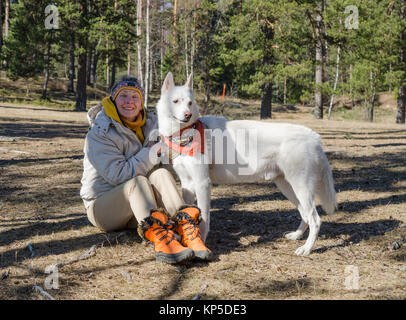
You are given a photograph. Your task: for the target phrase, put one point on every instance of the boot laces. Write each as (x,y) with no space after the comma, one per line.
(191,225)
(167,233)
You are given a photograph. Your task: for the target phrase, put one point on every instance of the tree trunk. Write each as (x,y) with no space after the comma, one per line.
(6,18)
(325,59)
(89,48)
(285,82)
(161,52)
(335,81)
(107,64)
(371,109)
(71,63)
(89,64)
(401,102)
(94,68)
(186,55)
(147,55)
(161,64)
(284,89)
(129,59)
(139,32)
(113,74)
(325,51)
(266,103)
(92,65)
(318,96)
(175,9)
(44,89)
(81,94)
(107,72)
(151,73)
(206,95)
(192,53)
(1,24)
(371,98)
(351,91)
(45,86)
(390,80)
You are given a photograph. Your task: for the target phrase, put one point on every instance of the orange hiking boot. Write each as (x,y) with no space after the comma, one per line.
(157,229)
(188,219)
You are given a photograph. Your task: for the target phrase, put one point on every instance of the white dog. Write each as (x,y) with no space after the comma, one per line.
(289,155)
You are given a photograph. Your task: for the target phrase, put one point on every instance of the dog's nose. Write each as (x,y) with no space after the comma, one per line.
(187,115)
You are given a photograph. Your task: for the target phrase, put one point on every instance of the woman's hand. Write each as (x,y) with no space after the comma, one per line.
(157,151)
(160,147)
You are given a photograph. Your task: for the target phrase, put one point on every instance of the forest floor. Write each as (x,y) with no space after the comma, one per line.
(41,154)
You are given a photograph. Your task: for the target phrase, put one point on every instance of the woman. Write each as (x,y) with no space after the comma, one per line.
(122,187)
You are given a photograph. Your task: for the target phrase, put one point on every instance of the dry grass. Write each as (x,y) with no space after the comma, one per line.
(40,204)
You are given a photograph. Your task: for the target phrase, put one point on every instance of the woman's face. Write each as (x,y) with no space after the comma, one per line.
(128,104)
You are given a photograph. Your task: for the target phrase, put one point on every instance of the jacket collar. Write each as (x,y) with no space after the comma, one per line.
(104,122)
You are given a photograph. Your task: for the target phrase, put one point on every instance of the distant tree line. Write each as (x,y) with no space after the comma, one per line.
(287,51)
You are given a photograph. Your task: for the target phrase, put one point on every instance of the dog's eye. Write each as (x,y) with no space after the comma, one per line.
(176,101)
(190,103)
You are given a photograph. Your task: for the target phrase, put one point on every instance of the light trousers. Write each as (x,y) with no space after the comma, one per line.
(131,202)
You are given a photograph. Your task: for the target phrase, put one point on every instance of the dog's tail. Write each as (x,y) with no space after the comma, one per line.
(326,191)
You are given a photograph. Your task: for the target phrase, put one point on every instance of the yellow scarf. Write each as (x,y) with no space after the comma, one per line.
(136,126)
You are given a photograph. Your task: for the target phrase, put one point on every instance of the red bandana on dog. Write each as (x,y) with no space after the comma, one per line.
(187,141)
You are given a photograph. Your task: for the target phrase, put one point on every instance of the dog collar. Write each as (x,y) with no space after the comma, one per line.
(188,141)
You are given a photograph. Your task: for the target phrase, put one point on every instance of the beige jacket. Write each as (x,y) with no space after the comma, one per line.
(114,154)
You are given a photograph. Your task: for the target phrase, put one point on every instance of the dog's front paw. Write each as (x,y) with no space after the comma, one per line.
(303,251)
(295,235)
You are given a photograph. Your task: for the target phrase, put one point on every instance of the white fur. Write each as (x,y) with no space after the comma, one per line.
(289,155)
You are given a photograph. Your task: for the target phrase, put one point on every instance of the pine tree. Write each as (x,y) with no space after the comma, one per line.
(251,47)
(113,28)
(368,52)
(83,41)
(294,48)
(29,48)
(208,26)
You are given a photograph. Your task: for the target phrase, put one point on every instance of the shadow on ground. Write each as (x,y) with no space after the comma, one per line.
(47,129)
(229,226)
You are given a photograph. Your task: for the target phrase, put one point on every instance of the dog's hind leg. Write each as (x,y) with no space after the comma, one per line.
(310,216)
(314,226)
(288,192)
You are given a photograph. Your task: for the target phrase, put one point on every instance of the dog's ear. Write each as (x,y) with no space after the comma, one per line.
(168,83)
(189,82)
